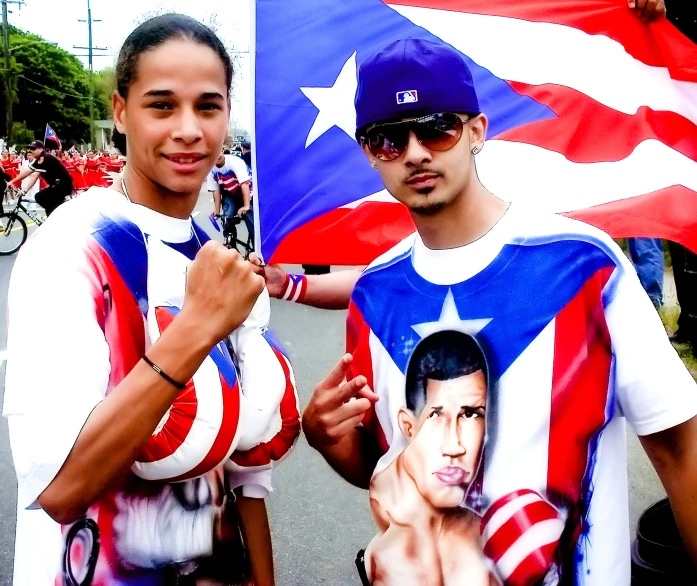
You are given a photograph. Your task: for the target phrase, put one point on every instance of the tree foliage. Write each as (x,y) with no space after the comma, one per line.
(104,85)
(21,135)
(50,86)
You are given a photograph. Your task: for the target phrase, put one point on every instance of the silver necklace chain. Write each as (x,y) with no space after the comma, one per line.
(193,229)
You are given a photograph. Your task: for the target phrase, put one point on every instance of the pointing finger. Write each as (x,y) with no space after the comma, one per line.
(337,374)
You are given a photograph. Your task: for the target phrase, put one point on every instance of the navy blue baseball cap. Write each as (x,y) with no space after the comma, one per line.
(413,77)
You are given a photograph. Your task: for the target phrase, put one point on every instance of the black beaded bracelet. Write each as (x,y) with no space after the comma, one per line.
(165,376)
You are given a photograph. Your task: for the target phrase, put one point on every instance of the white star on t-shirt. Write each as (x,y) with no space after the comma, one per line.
(335,104)
(450,320)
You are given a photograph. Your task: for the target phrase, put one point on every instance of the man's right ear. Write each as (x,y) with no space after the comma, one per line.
(407,423)
(371,159)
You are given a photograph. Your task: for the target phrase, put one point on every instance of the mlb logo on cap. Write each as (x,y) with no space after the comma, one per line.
(408,97)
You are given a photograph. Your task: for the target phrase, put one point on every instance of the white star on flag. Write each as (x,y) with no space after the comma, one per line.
(450,320)
(335,104)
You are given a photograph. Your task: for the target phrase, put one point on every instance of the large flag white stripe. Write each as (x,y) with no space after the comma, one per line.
(551,53)
(560,185)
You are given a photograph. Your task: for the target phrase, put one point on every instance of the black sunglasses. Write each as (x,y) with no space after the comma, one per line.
(436,132)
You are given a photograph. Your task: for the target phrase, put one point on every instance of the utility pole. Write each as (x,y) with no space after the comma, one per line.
(90,49)
(6,76)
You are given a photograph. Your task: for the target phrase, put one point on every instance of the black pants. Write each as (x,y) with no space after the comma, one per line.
(685,274)
(51,197)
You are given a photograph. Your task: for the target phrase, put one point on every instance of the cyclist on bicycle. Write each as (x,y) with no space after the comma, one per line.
(60,184)
(229,181)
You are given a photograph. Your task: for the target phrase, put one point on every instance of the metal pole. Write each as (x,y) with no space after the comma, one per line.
(6,77)
(89,29)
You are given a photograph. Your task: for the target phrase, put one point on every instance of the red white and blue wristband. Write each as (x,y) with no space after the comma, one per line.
(294,288)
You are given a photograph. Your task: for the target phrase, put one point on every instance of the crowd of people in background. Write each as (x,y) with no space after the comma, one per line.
(87,168)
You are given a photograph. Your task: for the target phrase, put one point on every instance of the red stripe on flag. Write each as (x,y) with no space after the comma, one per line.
(669,213)
(181,416)
(581,119)
(658,43)
(346,236)
(580,381)
(357,344)
(277,447)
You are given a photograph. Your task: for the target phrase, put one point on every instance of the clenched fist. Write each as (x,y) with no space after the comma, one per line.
(221,289)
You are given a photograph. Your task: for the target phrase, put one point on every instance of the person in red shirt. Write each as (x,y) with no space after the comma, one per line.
(113,164)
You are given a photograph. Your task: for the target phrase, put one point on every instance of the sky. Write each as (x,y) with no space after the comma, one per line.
(57,22)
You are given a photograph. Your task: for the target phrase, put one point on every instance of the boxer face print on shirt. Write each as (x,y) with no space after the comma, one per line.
(427,502)
(443,424)
(419,500)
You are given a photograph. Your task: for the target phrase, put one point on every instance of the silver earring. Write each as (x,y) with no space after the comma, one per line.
(476,150)
(375,166)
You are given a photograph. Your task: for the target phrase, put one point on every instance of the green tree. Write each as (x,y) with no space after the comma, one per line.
(21,135)
(104,86)
(50,86)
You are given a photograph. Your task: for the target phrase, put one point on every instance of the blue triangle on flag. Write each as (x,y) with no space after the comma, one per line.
(306,44)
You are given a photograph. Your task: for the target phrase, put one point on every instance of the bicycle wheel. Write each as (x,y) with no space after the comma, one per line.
(13,233)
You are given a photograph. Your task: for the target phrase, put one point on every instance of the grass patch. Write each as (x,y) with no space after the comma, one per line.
(669,316)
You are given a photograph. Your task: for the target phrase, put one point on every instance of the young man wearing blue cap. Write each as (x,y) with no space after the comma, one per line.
(572,344)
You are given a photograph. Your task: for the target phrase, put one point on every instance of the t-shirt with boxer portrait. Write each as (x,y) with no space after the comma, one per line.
(506,371)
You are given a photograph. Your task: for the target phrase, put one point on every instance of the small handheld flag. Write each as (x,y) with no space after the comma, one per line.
(50,134)
(214,222)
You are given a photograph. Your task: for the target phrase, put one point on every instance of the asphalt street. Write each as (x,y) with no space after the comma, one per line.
(318,521)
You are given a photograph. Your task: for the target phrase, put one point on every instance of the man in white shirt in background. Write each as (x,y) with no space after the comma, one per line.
(229,181)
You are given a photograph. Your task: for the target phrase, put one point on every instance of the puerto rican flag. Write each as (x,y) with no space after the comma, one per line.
(50,134)
(593,113)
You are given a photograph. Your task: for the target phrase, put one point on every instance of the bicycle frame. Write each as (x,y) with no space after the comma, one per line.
(32,215)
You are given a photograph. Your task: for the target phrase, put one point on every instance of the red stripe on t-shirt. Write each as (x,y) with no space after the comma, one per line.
(226,435)
(534,567)
(515,527)
(580,383)
(358,344)
(181,415)
(123,323)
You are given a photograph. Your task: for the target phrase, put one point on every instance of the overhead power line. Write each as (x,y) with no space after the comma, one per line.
(55,91)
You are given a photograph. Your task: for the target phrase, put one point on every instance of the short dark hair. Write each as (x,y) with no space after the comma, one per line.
(441,356)
(158,30)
